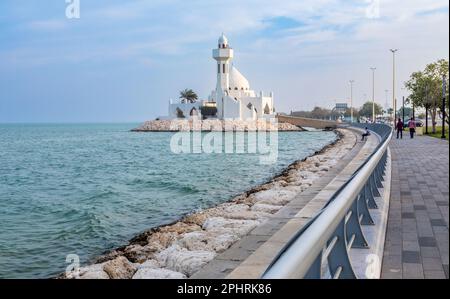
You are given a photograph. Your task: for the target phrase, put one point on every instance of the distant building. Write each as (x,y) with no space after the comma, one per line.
(340,108)
(233,98)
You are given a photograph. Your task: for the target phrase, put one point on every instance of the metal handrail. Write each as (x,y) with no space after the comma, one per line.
(337,227)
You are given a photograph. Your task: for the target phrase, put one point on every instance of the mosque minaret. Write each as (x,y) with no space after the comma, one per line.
(232,96)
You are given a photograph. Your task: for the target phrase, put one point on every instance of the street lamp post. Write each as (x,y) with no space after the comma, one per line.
(386,103)
(444,89)
(393,83)
(351,100)
(403,110)
(426,110)
(373,93)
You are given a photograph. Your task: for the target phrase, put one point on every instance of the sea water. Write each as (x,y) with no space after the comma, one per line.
(86,188)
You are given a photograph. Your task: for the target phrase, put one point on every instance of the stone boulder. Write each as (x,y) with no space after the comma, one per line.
(120,268)
(138,254)
(94,271)
(158,273)
(275,197)
(271,209)
(234,226)
(205,241)
(180,259)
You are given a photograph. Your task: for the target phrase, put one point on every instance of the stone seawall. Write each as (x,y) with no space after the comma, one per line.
(308,122)
(213,125)
(181,249)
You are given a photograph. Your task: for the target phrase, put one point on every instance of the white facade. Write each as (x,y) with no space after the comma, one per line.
(233,97)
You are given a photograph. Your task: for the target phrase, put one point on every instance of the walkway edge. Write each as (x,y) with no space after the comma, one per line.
(367,263)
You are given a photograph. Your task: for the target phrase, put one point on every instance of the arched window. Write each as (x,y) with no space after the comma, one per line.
(267,109)
(224,68)
(180,113)
(193,112)
(218,68)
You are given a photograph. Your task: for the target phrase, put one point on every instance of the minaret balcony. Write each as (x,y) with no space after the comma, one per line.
(223,54)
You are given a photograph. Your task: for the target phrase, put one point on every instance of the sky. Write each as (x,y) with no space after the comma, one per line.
(121,61)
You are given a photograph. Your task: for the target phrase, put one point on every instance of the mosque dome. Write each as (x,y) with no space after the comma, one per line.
(237,80)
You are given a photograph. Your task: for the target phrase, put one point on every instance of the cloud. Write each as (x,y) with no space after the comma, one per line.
(287,46)
(47,25)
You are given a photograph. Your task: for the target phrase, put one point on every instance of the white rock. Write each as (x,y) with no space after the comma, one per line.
(158,273)
(150,264)
(235,226)
(275,197)
(272,209)
(92,272)
(182,260)
(248,215)
(207,241)
(235,208)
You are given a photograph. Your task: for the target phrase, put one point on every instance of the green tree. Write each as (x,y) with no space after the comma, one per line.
(367,110)
(188,96)
(426,88)
(348,113)
(408,113)
(320,113)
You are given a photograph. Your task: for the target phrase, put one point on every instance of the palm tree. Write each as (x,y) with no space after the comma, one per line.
(188,96)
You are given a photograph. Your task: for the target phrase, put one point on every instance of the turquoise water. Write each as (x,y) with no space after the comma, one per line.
(84,189)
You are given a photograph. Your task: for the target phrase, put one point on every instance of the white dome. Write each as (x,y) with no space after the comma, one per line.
(237,80)
(223,40)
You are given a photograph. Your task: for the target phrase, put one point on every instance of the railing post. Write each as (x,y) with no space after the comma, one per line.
(354,233)
(368,194)
(377,176)
(363,208)
(315,272)
(338,259)
(373,185)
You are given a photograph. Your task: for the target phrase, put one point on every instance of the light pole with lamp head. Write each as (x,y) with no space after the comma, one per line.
(444,94)
(394,106)
(426,109)
(373,93)
(386,104)
(351,100)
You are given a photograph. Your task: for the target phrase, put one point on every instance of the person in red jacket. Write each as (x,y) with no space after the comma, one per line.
(412,127)
(399,127)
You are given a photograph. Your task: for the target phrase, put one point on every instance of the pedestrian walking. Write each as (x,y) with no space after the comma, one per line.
(399,127)
(412,127)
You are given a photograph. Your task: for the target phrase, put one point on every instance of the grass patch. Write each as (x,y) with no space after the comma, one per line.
(438,133)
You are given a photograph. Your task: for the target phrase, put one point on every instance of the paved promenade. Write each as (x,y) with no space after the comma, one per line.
(417,240)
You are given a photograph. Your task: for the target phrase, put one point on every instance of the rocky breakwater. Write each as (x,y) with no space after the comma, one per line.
(181,249)
(213,125)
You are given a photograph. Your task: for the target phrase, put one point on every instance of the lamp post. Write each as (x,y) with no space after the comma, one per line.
(393,83)
(444,91)
(386,104)
(403,110)
(373,93)
(426,110)
(351,100)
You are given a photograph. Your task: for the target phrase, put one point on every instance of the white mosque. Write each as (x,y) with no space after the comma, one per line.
(232,97)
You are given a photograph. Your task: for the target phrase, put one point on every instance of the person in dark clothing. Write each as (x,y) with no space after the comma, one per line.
(399,127)
(367,133)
